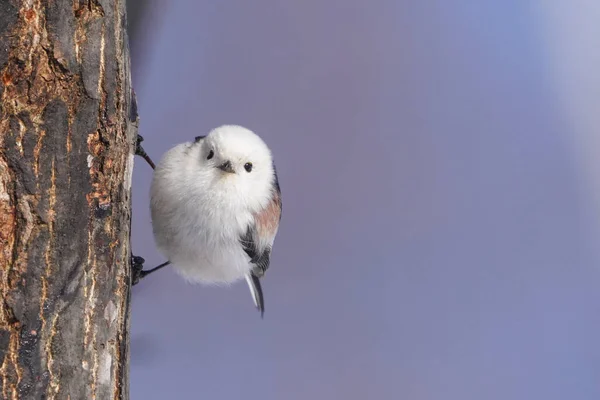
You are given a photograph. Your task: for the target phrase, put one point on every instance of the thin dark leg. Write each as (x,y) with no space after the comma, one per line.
(149,271)
(138,272)
(139,151)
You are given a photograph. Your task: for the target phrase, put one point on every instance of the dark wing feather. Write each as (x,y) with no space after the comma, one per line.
(261,258)
(277,189)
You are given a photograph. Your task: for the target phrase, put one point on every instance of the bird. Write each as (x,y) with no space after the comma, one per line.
(215,205)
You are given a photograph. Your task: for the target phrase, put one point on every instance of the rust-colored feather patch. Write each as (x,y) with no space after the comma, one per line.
(267,220)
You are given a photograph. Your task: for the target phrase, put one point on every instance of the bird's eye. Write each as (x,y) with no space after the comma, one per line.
(248,166)
(210,155)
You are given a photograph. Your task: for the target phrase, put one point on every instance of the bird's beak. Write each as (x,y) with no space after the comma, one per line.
(226,167)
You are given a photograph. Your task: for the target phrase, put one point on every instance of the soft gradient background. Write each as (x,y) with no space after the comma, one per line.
(441,181)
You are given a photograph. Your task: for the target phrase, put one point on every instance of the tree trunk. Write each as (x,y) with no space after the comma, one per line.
(67,128)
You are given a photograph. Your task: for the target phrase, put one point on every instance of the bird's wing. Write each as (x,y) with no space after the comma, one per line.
(258,238)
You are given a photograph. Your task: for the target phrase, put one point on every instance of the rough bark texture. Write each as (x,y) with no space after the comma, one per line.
(67,127)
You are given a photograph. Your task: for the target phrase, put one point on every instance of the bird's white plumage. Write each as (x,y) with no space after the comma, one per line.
(199,212)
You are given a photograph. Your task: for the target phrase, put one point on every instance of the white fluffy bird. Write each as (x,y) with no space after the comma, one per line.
(216,206)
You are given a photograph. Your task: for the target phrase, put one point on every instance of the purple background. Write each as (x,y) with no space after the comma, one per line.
(441,189)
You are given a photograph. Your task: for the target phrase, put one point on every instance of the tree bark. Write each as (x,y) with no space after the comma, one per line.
(67,127)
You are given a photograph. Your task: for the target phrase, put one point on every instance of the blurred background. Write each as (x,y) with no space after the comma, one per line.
(441,184)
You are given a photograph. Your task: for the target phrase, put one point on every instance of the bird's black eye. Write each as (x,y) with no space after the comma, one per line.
(248,166)
(210,155)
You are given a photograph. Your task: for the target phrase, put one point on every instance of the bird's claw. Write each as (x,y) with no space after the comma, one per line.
(137,265)
(139,150)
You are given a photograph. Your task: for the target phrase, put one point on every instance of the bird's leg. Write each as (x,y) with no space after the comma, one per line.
(137,269)
(139,151)
(137,263)
(149,271)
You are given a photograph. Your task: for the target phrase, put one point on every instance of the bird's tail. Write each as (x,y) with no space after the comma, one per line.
(256,292)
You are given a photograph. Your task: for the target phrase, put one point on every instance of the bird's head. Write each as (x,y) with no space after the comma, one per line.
(238,163)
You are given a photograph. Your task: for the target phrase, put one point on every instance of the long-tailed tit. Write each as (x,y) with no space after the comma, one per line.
(216,206)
